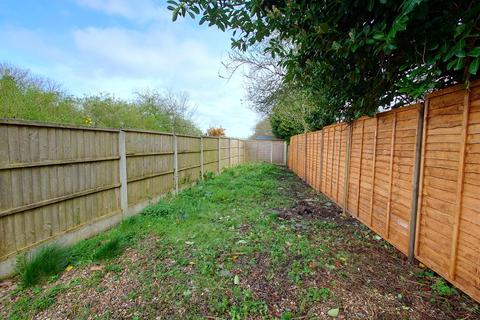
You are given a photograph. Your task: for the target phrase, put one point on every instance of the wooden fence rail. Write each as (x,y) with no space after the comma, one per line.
(66,183)
(412,175)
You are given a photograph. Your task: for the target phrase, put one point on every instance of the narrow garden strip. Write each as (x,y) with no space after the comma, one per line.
(252,243)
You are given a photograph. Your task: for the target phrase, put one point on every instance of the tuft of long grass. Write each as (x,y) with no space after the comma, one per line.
(109,249)
(48,261)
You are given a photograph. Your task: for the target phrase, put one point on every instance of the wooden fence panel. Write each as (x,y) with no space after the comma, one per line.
(210,154)
(278,150)
(149,165)
(317,166)
(224,153)
(241,151)
(448,225)
(54,179)
(189,164)
(301,155)
(309,172)
(271,151)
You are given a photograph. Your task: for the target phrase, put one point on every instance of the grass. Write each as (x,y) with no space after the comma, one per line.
(219,249)
(48,261)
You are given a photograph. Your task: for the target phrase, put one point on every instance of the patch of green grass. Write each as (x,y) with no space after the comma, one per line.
(48,261)
(110,249)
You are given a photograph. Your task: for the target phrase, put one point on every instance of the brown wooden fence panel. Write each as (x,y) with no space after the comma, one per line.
(53,180)
(271,151)
(189,162)
(448,227)
(318,160)
(149,165)
(310,171)
(67,183)
(224,153)
(377,157)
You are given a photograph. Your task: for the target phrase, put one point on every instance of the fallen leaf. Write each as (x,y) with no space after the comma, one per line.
(96,268)
(333,312)
(68,268)
(236,280)
(189,242)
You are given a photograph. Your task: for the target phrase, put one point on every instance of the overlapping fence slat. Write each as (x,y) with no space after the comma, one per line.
(369,168)
(448,227)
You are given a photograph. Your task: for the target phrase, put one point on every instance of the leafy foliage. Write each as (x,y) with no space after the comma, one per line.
(23,96)
(362,54)
(216,132)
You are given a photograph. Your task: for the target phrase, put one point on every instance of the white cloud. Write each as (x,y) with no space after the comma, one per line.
(120,60)
(148,52)
(138,10)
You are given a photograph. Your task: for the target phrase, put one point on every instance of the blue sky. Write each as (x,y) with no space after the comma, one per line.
(119,46)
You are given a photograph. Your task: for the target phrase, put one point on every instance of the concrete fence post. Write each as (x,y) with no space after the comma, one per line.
(175,163)
(218,156)
(271,151)
(202,169)
(285,153)
(122,152)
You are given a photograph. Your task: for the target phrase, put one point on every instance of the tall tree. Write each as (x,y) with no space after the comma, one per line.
(361,54)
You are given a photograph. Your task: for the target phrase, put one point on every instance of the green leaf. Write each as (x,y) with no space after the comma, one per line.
(451,64)
(473,68)
(460,53)
(459,64)
(236,280)
(378,36)
(475,52)
(175,14)
(459,29)
(333,312)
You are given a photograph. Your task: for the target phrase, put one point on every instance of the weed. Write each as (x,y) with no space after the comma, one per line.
(48,261)
(162,208)
(441,288)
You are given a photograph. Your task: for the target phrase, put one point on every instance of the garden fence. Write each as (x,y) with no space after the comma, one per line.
(412,175)
(60,182)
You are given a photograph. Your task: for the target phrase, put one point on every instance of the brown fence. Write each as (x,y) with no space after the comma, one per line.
(67,183)
(410,175)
